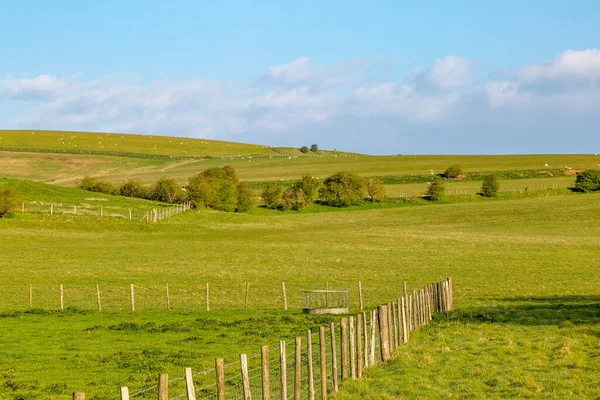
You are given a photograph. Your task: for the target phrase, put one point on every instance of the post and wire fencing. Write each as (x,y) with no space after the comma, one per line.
(102,211)
(311,366)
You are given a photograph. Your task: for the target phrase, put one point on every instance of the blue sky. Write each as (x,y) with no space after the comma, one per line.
(377,77)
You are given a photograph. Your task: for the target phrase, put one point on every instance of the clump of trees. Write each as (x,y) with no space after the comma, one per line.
(453,171)
(436,189)
(9,201)
(375,190)
(94,185)
(271,195)
(343,189)
(219,189)
(314,148)
(587,181)
(490,185)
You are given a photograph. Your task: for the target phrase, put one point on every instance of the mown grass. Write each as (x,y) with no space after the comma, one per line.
(501,254)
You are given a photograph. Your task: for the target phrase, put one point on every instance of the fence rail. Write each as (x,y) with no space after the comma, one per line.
(153,215)
(312,366)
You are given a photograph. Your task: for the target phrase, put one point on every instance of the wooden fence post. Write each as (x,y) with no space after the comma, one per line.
(390,322)
(334,368)
(245,378)
(132,297)
(101,211)
(373,338)
(298,369)
(284,295)
(323,362)
(62,297)
(168,298)
(360,296)
(23,207)
(51,208)
(352,334)
(311,375)
(163,387)
(30,296)
(450,294)
(207,298)
(190,390)
(404,322)
(220,375)
(247,294)
(359,346)
(78,396)
(366,340)
(395,324)
(344,347)
(130,216)
(124,393)
(98,298)
(283,371)
(264,364)
(384,334)
(406,308)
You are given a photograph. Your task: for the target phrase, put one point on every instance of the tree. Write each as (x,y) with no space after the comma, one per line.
(314,148)
(94,185)
(294,198)
(343,189)
(134,188)
(490,185)
(271,195)
(375,190)
(310,186)
(214,188)
(453,171)
(167,190)
(9,201)
(436,190)
(304,149)
(245,197)
(587,181)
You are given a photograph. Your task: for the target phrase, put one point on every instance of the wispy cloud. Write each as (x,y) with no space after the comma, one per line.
(318,101)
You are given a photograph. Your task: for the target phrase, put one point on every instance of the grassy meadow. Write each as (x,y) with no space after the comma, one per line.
(524,266)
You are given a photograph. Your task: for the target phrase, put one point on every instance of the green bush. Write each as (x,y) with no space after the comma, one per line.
(453,171)
(343,189)
(134,188)
(310,186)
(375,190)
(93,185)
(294,198)
(271,195)
(490,185)
(168,191)
(436,189)
(214,188)
(304,149)
(314,148)
(9,201)
(245,197)
(587,181)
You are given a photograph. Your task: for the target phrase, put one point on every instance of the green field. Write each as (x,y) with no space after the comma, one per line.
(524,267)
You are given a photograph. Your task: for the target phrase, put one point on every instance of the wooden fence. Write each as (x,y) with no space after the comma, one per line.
(153,215)
(312,366)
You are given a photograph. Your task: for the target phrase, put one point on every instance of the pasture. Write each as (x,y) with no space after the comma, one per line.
(524,267)
(513,263)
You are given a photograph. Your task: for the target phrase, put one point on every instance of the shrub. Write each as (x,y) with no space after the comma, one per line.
(9,201)
(271,195)
(134,188)
(294,198)
(310,186)
(93,185)
(314,148)
(375,190)
(343,189)
(490,185)
(167,190)
(587,181)
(453,171)
(304,149)
(88,183)
(214,188)
(436,190)
(245,197)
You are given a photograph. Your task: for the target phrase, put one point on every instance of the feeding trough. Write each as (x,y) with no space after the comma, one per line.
(325,301)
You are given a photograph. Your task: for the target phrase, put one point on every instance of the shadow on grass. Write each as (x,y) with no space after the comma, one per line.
(558,311)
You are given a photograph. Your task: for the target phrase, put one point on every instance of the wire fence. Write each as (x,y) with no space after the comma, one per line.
(312,366)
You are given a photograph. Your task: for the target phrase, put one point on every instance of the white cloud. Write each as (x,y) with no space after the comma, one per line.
(571,64)
(296,72)
(450,72)
(39,88)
